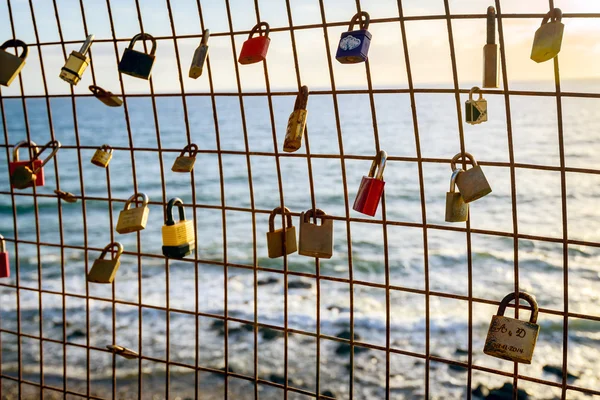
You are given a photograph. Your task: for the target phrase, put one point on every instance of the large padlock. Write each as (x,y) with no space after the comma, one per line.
(315,240)
(512,339)
(456,208)
(548,37)
(490,52)
(133,219)
(104,271)
(255,48)
(106,97)
(476,110)
(24,174)
(200,56)
(77,63)
(136,63)
(277,238)
(471,183)
(4,263)
(185,163)
(179,238)
(371,187)
(11,65)
(102,156)
(296,122)
(354,45)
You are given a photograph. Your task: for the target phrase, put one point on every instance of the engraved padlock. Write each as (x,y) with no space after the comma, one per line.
(11,65)
(371,187)
(185,163)
(24,174)
(354,45)
(296,122)
(276,238)
(104,270)
(512,339)
(255,49)
(123,351)
(490,52)
(200,56)
(77,62)
(315,240)
(133,219)
(106,97)
(548,37)
(179,238)
(137,63)
(476,110)
(456,208)
(102,156)
(4,263)
(471,183)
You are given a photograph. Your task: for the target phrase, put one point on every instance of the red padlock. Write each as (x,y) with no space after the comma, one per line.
(371,187)
(255,48)
(35,164)
(4,265)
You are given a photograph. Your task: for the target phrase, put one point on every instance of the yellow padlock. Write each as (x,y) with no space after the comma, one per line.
(104,271)
(548,37)
(102,156)
(133,219)
(276,238)
(186,163)
(296,122)
(179,238)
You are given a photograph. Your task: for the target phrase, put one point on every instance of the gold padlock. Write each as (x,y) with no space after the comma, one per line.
(490,52)
(133,219)
(475,110)
(66,196)
(296,122)
(104,271)
(471,183)
(315,240)
(102,156)
(200,56)
(23,177)
(179,238)
(548,37)
(276,238)
(123,351)
(11,65)
(26,175)
(456,208)
(512,339)
(106,97)
(186,163)
(77,62)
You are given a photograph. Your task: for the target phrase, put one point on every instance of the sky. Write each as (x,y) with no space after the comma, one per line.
(427,41)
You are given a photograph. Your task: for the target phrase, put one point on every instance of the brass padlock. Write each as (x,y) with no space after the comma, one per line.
(276,238)
(133,219)
(512,339)
(77,62)
(186,163)
(490,52)
(476,110)
(471,183)
(315,240)
(66,196)
(456,208)
(200,56)
(548,37)
(11,65)
(102,156)
(123,351)
(104,271)
(107,98)
(28,174)
(179,239)
(296,122)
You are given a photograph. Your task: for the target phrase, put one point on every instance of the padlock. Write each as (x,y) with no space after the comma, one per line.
(107,98)
(123,351)
(315,240)
(179,238)
(354,45)
(276,238)
(77,62)
(66,196)
(136,63)
(255,48)
(471,183)
(104,271)
(102,156)
(11,65)
(296,122)
(548,37)
(475,110)
(371,187)
(456,208)
(24,174)
(512,339)
(200,56)
(4,263)
(490,52)
(186,163)
(133,219)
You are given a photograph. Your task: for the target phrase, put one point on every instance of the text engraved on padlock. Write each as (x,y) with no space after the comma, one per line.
(511,339)
(133,220)
(101,158)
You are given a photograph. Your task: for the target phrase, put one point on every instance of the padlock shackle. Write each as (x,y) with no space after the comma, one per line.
(110,247)
(475,89)
(191,148)
(143,196)
(378,165)
(301,99)
(16,43)
(85,47)
(176,201)
(554,15)
(318,213)
(491,25)
(2,245)
(458,157)
(363,24)
(143,36)
(455,174)
(205,36)
(286,212)
(107,148)
(257,29)
(55,144)
(522,295)
(30,144)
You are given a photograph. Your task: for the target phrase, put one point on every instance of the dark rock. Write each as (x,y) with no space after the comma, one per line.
(556,370)
(299,285)
(218,324)
(345,334)
(458,368)
(271,334)
(241,328)
(461,352)
(77,333)
(344,348)
(506,393)
(270,280)
(328,393)
(277,379)
(481,391)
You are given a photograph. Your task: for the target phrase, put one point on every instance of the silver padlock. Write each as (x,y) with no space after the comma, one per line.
(456,208)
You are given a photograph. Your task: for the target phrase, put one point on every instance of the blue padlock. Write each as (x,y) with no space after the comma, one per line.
(354,45)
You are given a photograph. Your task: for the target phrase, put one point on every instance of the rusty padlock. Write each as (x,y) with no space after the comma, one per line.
(102,156)
(4,262)
(106,97)
(548,37)
(475,110)
(315,240)
(186,163)
(296,122)
(104,271)
(512,339)
(471,183)
(24,174)
(276,238)
(133,219)
(456,208)
(371,187)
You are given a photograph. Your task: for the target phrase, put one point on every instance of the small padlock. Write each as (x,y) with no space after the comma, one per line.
(456,208)
(315,240)
(354,45)
(276,238)
(104,271)
(123,351)
(77,62)
(136,63)
(179,238)
(66,196)
(133,219)
(186,163)
(255,48)
(296,122)
(24,174)
(102,156)
(107,98)
(512,339)
(11,65)
(548,37)
(371,187)
(471,183)
(476,110)
(4,263)
(200,56)
(490,52)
